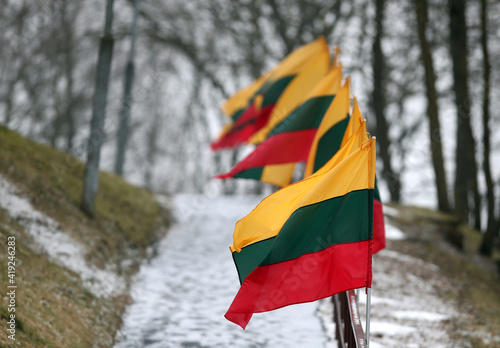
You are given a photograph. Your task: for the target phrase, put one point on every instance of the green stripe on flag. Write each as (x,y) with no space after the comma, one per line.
(237,114)
(252,173)
(273,91)
(329,144)
(251,256)
(376,191)
(306,116)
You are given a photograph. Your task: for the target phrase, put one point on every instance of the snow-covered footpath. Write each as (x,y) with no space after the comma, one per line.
(179,299)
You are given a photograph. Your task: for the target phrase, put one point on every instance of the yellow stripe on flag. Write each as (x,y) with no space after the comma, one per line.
(329,85)
(342,177)
(278,174)
(354,122)
(293,63)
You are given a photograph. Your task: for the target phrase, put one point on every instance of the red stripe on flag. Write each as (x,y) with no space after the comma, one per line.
(247,125)
(378,227)
(249,115)
(307,278)
(281,148)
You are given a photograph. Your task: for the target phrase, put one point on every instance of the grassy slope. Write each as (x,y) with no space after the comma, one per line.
(53,309)
(475,280)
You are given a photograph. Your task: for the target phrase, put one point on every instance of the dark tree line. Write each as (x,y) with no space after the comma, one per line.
(424,72)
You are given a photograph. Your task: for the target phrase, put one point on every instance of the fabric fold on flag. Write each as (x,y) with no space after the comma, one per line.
(329,136)
(316,68)
(273,161)
(357,122)
(291,80)
(309,240)
(235,105)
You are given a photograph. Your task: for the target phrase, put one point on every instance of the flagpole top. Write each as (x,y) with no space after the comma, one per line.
(336,54)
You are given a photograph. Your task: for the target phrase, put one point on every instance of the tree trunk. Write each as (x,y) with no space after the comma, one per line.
(466,166)
(378,104)
(123,132)
(151,150)
(70,118)
(487,242)
(432,108)
(69,67)
(9,101)
(91,178)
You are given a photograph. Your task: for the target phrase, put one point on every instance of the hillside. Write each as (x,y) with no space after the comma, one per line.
(439,256)
(72,272)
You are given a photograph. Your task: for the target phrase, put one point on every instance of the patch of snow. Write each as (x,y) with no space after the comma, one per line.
(393,233)
(325,312)
(419,315)
(62,248)
(390,211)
(375,300)
(407,258)
(390,329)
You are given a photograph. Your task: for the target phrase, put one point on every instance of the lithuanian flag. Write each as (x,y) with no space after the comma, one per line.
(281,92)
(273,161)
(309,240)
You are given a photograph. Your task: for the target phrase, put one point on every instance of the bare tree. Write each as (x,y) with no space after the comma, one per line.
(466,165)
(487,242)
(123,131)
(378,103)
(91,178)
(432,107)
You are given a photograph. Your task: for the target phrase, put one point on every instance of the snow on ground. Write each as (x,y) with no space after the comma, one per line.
(393,233)
(406,310)
(180,298)
(61,247)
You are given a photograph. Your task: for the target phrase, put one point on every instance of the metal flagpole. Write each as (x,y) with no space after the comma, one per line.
(368,300)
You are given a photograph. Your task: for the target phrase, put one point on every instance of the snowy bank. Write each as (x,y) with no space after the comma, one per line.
(61,247)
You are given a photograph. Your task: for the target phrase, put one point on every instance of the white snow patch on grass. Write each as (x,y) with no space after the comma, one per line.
(394,233)
(407,258)
(419,315)
(390,211)
(375,300)
(390,329)
(62,248)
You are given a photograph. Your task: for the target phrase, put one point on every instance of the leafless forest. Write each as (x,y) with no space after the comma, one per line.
(426,74)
